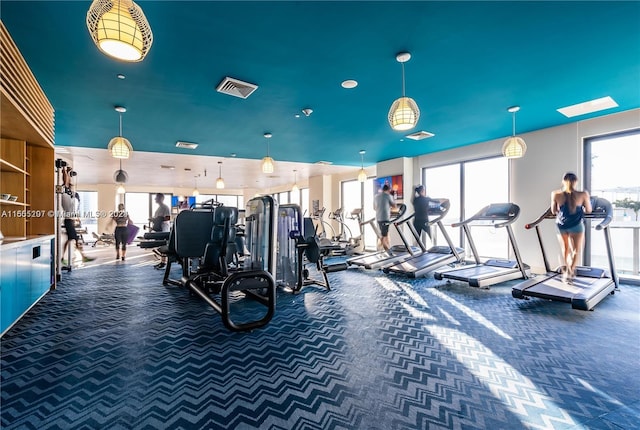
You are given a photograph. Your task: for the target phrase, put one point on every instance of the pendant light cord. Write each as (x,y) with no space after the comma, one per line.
(403,91)
(514,124)
(121,124)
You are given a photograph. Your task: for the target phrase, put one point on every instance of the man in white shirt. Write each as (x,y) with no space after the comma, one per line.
(162,216)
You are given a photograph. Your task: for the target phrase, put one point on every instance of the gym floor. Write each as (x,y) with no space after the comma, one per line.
(113,348)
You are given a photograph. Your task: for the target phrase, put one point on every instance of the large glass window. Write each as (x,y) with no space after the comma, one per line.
(351,197)
(138,206)
(283,198)
(294,197)
(611,172)
(359,195)
(304,202)
(88,211)
(444,182)
(470,186)
(486,182)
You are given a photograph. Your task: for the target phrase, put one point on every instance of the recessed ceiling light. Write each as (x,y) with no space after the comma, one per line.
(268,135)
(297,115)
(120,76)
(349,83)
(588,107)
(233,154)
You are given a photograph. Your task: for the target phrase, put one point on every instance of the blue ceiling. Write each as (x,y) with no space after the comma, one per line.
(470,61)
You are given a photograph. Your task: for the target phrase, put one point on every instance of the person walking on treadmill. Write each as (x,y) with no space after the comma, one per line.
(569,206)
(382,203)
(421,210)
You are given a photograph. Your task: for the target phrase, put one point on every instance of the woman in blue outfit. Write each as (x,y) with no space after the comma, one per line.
(569,206)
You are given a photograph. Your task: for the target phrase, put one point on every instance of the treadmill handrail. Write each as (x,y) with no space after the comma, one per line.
(485,214)
(602,209)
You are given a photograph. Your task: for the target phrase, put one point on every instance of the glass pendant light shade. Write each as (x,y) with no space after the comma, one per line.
(119,29)
(267,165)
(120,147)
(404,114)
(120,189)
(195,192)
(295,188)
(514,147)
(219,183)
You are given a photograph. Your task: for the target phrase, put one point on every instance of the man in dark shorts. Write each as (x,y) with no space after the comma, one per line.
(382,203)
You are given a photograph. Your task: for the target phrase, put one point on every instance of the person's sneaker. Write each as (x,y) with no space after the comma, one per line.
(87,259)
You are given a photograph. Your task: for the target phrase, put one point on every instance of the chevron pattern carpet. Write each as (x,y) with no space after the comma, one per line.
(112,348)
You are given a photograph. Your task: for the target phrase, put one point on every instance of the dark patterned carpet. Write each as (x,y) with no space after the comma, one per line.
(112,348)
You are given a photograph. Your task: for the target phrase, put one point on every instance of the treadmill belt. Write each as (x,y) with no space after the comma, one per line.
(471,272)
(555,287)
(416,262)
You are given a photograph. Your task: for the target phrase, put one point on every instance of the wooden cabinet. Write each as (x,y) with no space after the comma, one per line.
(27,172)
(26,149)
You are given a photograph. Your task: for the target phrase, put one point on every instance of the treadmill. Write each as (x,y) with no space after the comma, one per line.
(377,260)
(436,256)
(492,271)
(591,285)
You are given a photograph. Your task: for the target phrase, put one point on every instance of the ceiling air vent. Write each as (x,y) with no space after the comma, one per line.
(164,166)
(186,145)
(324,163)
(419,135)
(236,87)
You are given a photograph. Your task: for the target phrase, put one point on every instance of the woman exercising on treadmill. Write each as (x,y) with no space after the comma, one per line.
(569,207)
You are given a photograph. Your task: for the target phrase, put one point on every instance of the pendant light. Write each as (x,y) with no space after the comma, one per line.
(120,147)
(267,162)
(404,112)
(514,146)
(219,181)
(362,175)
(295,188)
(119,29)
(120,177)
(195,189)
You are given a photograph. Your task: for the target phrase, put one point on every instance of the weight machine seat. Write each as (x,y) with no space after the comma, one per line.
(222,244)
(314,252)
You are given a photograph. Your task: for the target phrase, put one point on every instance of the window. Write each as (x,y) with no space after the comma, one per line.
(611,172)
(444,182)
(304,202)
(294,197)
(138,205)
(88,211)
(358,195)
(283,198)
(351,197)
(485,182)
(470,186)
